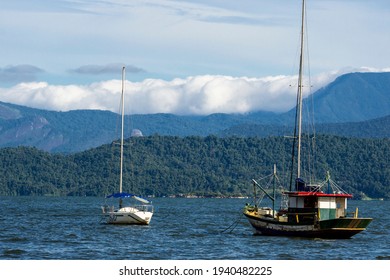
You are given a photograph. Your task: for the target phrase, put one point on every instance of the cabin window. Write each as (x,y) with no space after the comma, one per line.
(341,206)
(293,202)
(309,202)
(297,202)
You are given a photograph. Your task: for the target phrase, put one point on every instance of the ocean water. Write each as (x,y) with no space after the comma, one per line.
(70,228)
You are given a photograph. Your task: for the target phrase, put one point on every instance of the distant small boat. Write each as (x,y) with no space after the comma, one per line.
(127,212)
(314,210)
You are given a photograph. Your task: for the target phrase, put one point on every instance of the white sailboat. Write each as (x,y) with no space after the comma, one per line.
(139,213)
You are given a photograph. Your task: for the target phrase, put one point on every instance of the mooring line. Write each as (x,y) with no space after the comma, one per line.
(233,225)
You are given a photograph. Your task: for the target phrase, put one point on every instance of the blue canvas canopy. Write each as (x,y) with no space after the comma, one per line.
(120,195)
(126,195)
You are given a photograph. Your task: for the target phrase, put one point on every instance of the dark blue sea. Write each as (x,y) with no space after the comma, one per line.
(70,228)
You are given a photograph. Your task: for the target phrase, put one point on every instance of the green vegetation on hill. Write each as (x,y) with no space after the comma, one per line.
(376,128)
(167,165)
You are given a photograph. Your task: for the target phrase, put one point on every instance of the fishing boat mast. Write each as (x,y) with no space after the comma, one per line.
(122,129)
(298,116)
(300,86)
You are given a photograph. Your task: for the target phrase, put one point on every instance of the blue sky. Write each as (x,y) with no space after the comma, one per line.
(184,57)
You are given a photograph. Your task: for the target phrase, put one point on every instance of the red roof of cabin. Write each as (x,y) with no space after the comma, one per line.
(319,194)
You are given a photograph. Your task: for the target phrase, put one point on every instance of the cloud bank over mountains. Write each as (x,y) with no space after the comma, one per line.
(195,95)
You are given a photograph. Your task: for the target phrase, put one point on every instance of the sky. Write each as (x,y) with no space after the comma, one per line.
(183,57)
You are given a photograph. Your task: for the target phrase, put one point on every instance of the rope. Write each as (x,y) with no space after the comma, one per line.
(233,225)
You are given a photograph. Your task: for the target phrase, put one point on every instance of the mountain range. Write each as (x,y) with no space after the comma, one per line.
(354,105)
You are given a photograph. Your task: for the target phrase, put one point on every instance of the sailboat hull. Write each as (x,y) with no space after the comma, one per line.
(128,216)
(340,228)
(136,218)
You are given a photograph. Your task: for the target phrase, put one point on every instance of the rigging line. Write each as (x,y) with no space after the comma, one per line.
(233,225)
(267,176)
(310,111)
(118,119)
(294,142)
(260,199)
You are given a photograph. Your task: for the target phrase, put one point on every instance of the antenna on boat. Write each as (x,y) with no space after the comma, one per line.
(254,193)
(328,181)
(273,190)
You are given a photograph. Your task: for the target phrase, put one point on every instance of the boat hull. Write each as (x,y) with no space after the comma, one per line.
(340,228)
(128,216)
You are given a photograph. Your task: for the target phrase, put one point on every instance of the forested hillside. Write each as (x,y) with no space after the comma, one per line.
(376,128)
(162,166)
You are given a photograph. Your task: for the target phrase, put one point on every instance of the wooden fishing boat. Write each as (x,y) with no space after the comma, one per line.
(315,210)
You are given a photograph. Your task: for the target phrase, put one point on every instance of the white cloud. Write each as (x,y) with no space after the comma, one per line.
(197,95)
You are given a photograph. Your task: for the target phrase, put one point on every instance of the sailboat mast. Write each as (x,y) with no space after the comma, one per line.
(300,85)
(122,129)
